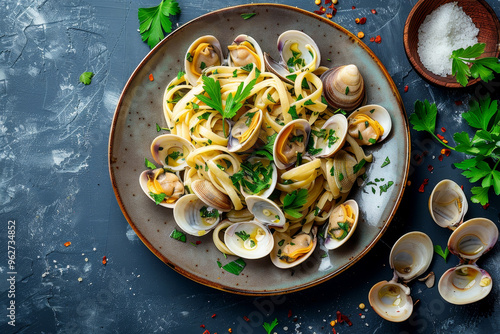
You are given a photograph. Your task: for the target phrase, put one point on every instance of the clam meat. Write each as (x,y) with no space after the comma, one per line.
(203,53)
(292,139)
(162,186)
(290,251)
(342,223)
(245,50)
(245,132)
(369,124)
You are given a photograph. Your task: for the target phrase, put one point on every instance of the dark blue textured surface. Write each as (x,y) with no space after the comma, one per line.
(55,185)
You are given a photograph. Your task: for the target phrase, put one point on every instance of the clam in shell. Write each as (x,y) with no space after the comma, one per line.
(292,139)
(163,184)
(245,50)
(391,301)
(245,132)
(465,284)
(342,224)
(369,124)
(203,53)
(344,87)
(194,217)
(171,151)
(249,240)
(411,255)
(290,251)
(448,204)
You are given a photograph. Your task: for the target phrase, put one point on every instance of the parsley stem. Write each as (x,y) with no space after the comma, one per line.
(439,140)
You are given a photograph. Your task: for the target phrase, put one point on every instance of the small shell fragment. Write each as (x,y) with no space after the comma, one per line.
(429,280)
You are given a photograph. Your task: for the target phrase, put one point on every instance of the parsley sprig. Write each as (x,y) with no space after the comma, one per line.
(294,201)
(270,327)
(440,252)
(214,99)
(155,20)
(483,115)
(482,67)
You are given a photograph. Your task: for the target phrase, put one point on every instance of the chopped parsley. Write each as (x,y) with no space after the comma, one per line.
(235,267)
(178,235)
(158,197)
(386,162)
(205,213)
(243,235)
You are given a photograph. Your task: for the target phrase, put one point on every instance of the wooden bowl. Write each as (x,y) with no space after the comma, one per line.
(482,16)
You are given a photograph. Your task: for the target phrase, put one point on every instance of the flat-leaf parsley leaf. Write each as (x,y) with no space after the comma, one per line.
(155,20)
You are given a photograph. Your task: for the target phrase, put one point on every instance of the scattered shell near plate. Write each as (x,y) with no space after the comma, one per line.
(448,204)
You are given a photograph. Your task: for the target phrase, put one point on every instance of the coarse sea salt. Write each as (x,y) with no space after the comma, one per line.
(444,30)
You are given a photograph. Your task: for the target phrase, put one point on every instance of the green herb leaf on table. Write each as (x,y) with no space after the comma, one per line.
(270,327)
(293,202)
(480,67)
(155,20)
(440,252)
(86,78)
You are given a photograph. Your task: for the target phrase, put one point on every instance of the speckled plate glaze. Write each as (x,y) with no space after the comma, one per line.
(140,107)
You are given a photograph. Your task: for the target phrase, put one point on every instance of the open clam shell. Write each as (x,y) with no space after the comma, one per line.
(245,50)
(204,52)
(391,301)
(291,251)
(292,139)
(465,284)
(411,255)
(473,238)
(211,196)
(171,151)
(363,128)
(249,240)
(448,204)
(194,217)
(265,211)
(298,50)
(245,132)
(336,231)
(158,181)
(344,87)
(332,136)
(343,171)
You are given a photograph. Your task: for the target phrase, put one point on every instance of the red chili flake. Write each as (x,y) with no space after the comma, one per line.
(353,7)
(378,39)
(447,152)
(327,2)
(332,6)
(362,20)
(440,158)
(486,206)
(406,88)
(322,9)
(339,317)
(289,313)
(430,168)
(418,158)
(206,331)
(443,129)
(333,330)
(462,187)
(213,315)
(458,103)
(318,12)
(246,318)
(295,319)
(372,39)
(346,319)
(202,326)
(374,11)
(334,11)
(421,188)
(67,243)
(198,242)
(440,137)
(104,260)
(329,15)
(151,78)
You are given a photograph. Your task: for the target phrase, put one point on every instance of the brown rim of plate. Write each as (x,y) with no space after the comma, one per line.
(417,64)
(234,289)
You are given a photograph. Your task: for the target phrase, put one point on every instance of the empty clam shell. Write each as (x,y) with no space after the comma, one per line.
(448,204)
(295,45)
(465,284)
(194,217)
(411,255)
(171,151)
(249,240)
(391,301)
(473,238)
(265,211)
(332,136)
